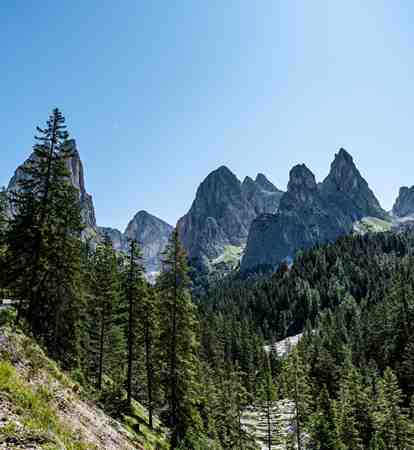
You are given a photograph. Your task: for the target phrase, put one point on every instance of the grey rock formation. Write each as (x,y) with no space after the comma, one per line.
(152,234)
(149,231)
(77,176)
(75,168)
(345,187)
(118,240)
(404,204)
(262,194)
(311,214)
(222,212)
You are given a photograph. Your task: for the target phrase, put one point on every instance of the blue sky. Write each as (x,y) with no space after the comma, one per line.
(158,94)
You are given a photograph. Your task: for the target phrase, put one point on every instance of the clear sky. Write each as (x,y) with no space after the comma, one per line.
(159,93)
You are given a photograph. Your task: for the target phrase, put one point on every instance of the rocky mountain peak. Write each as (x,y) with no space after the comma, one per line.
(265,184)
(76,172)
(218,187)
(404,204)
(344,175)
(310,213)
(301,179)
(345,186)
(152,234)
(222,212)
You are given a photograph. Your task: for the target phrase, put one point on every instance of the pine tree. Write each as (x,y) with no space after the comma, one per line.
(134,292)
(178,340)
(352,408)
(298,390)
(3,214)
(106,319)
(150,333)
(43,248)
(232,403)
(3,224)
(323,432)
(268,407)
(391,422)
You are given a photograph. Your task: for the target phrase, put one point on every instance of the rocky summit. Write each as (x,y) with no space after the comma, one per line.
(75,167)
(222,212)
(310,214)
(404,204)
(152,234)
(149,231)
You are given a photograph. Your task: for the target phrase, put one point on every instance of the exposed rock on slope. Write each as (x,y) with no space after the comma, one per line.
(262,194)
(345,188)
(75,168)
(152,234)
(309,214)
(118,240)
(149,231)
(222,212)
(404,204)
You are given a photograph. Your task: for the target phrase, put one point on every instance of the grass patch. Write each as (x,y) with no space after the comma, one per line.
(372,225)
(136,422)
(35,417)
(231,255)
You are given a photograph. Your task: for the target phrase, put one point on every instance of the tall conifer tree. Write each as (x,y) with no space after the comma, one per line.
(43,248)
(179,341)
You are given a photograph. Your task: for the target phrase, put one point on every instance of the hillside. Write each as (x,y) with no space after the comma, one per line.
(43,408)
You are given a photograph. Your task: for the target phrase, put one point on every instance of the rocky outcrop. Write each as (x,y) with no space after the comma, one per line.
(118,240)
(261,194)
(152,234)
(75,167)
(346,188)
(404,204)
(222,212)
(311,214)
(77,176)
(149,231)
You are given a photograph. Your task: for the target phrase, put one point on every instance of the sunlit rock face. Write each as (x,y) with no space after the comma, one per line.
(75,167)
(222,212)
(404,203)
(152,234)
(311,213)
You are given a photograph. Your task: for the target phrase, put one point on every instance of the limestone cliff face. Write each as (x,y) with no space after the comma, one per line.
(263,196)
(75,167)
(404,204)
(149,231)
(346,188)
(118,240)
(302,220)
(152,235)
(222,212)
(310,214)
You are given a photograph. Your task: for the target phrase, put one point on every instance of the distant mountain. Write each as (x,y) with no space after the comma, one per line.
(309,213)
(149,231)
(152,234)
(117,238)
(261,194)
(221,214)
(404,204)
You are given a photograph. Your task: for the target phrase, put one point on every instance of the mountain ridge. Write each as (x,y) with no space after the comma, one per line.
(311,213)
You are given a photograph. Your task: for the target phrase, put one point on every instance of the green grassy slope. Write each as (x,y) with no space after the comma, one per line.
(43,408)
